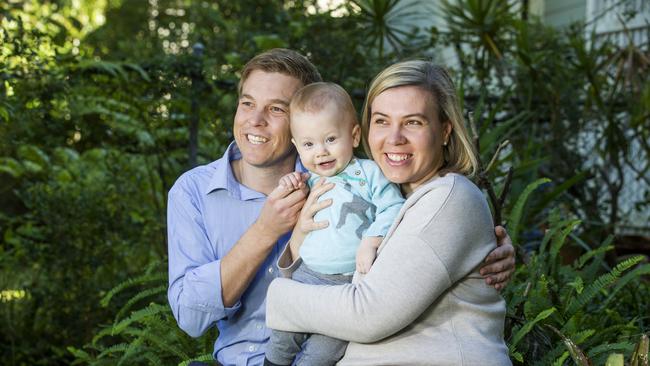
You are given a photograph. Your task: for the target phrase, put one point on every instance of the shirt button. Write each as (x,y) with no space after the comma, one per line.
(251,348)
(362,183)
(270,269)
(357,172)
(259,326)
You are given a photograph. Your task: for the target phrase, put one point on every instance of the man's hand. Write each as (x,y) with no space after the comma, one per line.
(282,207)
(367,252)
(500,263)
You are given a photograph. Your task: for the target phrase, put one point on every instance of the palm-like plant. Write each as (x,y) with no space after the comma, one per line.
(390,22)
(485,25)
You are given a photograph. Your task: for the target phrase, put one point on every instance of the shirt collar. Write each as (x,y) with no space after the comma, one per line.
(224,178)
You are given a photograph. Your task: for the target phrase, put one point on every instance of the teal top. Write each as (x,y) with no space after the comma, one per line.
(364,204)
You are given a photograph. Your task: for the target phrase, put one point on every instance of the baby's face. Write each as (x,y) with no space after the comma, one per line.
(325,140)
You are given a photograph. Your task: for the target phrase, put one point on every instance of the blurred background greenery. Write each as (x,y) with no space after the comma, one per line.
(104,103)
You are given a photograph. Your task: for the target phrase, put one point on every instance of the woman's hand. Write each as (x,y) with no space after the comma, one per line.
(500,263)
(306,223)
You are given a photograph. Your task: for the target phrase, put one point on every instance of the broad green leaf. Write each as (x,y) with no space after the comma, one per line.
(11,166)
(34,154)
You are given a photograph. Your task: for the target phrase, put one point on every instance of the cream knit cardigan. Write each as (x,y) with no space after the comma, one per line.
(423,302)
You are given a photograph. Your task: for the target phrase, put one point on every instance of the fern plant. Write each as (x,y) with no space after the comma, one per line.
(144,331)
(580,310)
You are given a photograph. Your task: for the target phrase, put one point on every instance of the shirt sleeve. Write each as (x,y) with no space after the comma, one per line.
(194,291)
(386,197)
(410,273)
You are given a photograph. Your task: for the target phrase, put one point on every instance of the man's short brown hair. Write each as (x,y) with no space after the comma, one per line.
(284,61)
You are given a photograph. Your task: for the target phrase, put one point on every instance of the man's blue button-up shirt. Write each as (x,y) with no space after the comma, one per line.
(208,212)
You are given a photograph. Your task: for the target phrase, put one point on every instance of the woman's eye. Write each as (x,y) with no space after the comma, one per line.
(330,139)
(414,122)
(275,109)
(379,122)
(247,103)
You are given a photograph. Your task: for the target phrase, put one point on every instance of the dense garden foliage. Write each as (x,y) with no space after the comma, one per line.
(103,103)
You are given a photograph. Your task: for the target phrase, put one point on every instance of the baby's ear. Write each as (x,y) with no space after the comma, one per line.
(293,142)
(356,135)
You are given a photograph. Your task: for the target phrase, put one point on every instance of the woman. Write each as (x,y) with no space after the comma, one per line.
(423,301)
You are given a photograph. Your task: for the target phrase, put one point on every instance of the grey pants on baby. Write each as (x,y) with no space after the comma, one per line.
(317,349)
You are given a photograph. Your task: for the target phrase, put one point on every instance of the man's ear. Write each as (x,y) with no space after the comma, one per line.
(356,135)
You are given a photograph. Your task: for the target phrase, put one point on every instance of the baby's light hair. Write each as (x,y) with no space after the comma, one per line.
(316,97)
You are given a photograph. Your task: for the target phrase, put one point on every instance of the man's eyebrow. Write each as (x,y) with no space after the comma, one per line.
(280,101)
(272,101)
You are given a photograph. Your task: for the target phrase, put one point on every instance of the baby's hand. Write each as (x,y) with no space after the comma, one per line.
(367,252)
(293,181)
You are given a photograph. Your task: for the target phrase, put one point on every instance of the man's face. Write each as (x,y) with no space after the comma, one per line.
(261,126)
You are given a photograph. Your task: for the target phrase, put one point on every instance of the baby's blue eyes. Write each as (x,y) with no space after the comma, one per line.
(328,140)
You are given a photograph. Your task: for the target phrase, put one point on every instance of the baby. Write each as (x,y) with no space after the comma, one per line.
(325,132)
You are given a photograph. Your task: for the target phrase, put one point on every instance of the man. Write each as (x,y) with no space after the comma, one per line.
(227,221)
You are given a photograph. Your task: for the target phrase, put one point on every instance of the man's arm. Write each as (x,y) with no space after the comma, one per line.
(279,215)
(202,288)
(194,284)
(500,263)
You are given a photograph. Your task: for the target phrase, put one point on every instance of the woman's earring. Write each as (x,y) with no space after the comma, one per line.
(445,143)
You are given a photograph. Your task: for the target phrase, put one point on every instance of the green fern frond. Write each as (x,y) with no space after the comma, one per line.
(560,360)
(139,296)
(153,358)
(79,354)
(158,341)
(151,310)
(610,347)
(560,238)
(632,275)
(134,347)
(101,334)
(202,358)
(132,282)
(582,335)
(527,327)
(600,283)
(120,347)
(515,215)
(604,248)
(156,264)
(558,352)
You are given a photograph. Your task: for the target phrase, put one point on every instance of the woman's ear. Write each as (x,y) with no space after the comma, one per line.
(447,128)
(356,135)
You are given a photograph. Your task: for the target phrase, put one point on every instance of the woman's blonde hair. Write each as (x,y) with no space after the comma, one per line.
(459,154)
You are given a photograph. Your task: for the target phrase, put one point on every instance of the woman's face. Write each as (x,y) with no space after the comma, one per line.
(405,135)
